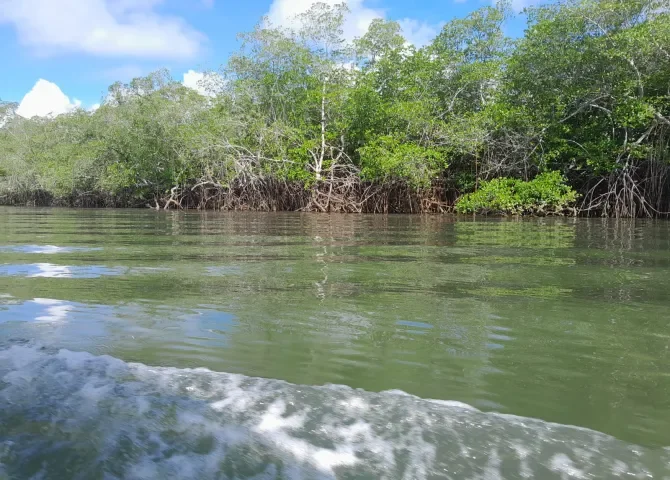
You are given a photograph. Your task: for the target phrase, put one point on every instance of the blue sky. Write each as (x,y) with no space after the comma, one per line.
(80,47)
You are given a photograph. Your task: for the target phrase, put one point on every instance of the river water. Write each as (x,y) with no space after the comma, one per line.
(138,345)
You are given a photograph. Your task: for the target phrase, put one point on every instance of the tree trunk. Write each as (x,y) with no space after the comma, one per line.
(319,163)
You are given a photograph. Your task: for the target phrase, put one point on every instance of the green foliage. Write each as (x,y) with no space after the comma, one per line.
(388,158)
(595,72)
(584,92)
(545,194)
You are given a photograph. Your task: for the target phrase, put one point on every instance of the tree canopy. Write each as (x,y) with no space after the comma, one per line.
(303,119)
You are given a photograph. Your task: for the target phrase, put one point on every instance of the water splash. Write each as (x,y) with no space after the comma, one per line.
(74,415)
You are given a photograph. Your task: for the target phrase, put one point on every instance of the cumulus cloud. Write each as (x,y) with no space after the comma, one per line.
(283,13)
(418,33)
(193,79)
(46,99)
(207,84)
(100,27)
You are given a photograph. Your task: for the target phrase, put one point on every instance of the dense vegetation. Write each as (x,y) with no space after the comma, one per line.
(302,119)
(546,194)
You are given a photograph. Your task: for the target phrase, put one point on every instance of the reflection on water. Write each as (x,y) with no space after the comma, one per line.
(44,249)
(564,320)
(50,270)
(54,310)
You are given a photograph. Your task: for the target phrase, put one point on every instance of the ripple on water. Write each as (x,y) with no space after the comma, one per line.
(50,270)
(45,249)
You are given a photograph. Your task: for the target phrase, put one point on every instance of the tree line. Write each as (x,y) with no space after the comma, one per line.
(572,117)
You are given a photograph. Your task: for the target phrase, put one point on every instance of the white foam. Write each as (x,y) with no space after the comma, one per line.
(444,403)
(20,357)
(150,422)
(492,469)
(619,468)
(273,420)
(452,404)
(355,404)
(523,452)
(562,464)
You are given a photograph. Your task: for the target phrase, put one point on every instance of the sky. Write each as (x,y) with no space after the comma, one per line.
(56,55)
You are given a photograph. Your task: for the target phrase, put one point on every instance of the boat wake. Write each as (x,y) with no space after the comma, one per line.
(67,414)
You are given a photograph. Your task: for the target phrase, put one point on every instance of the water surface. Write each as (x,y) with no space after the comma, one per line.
(136,344)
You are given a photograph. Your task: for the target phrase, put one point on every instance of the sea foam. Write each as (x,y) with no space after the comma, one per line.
(74,415)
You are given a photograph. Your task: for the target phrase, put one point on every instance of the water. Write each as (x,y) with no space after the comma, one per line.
(136,344)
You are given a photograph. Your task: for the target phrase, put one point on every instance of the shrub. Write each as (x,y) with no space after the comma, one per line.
(546,194)
(386,158)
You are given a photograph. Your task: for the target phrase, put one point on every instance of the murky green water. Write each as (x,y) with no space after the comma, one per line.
(308,346)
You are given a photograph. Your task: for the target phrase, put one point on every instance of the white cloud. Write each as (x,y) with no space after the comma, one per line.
(283,13)
(207,84)
(418,33)
(94,107)
(46,99)
(193,79)
(100,27)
